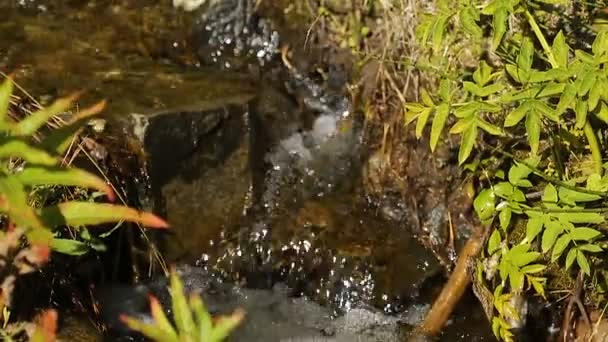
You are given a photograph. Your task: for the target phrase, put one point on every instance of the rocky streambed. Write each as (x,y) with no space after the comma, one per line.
(259,161)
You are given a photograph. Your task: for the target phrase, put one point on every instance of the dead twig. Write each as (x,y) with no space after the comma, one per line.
(575,298)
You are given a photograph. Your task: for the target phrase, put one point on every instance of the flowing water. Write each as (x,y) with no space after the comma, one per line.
(256,165)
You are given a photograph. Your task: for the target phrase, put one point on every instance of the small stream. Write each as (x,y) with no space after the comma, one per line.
(256,165)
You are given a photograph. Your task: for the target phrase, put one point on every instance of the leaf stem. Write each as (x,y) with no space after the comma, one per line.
(541,38)
(594,146)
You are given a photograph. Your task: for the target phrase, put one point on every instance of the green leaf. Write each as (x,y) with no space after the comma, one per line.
(581,113)
(468,110)
(438,31)
(560,246)
(484,204)
(561,50)
(423,118)
(587,82)
(499,23)
(582,262)
(505,218)
(489,128)
(468,141)
(515,116)
(570,196)
(6,89)
(69,246)
(469,16)
(13,201)
(594,97)
(534,268)
(202,316)
(539,285)
(59,176)
(29,125)
(519,171)
(17,148)
(462,125)
(523,259)
(551,89)
(533,129)
(441,116)
(533,228)
(503,189)
(600,44)
(550,194)
(160,319)
(526,54)
(482,74)
(77,214)
(225,325)
(552,230)
(566,99)
(519,75)
(426,98)
(580,217)
(181,311)
(516,278)
(603,113)
(494,242)
(584,234)
(590,248)
(570,257)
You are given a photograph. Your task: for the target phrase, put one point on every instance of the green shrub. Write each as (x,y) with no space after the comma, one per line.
(536,107)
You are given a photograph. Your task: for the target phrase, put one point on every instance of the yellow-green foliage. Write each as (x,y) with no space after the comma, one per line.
(533,90)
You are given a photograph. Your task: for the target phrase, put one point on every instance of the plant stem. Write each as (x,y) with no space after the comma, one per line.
(541,38)
(594,146)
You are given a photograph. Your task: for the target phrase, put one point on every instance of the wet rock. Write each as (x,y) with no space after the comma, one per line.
(198,163)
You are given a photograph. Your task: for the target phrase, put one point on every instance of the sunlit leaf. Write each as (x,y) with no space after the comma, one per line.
(426,98)
(560,246)
(581,113)
(594,97)
(489,128)
(484,204)
(499,23)
(526,54)
(468,141)
(17,148)
(422,121)
(181,310)
(516,115)
(505,218)
(13,201)
(566,99)
(582,262)
(60,176)
(69,246)
(570,196)
(570,257)
(494,242)
(29,125)
(550,194)
(590,248)
(441,116)
(77,214)
(533,227)
(552,230)
(469,16)
(560,50)
(516,278)
(534,268)
(584,234)
(6,89)
(533,124)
